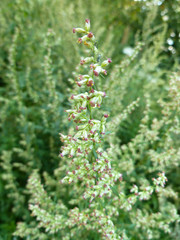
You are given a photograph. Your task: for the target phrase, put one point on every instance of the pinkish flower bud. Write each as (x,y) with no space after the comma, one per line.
(104,71)
(109,60)
(90,35)
(74,30)
(92,104)
(77,128)
(96,73)
(91,91)
(87,24)
(72,97)
(80,77)
(106,115)
(78,84)
(61,155)
(90,83)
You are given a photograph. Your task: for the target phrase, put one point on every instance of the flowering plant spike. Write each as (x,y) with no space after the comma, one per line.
(91,165)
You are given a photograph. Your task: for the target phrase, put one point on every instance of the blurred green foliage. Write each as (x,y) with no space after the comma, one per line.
(37,56)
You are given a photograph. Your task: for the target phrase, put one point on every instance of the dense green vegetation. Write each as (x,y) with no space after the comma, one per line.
(39,58)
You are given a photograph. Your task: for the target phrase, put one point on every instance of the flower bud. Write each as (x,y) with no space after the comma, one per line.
(78,30)
(104,71)
(106,62)
(95,51)
(90,35)
(87,24)
(90,83)
(86,60)
(96,73)
(92,104)
(97,70)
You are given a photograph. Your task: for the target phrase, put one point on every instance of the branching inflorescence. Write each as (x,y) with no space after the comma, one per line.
(90,163)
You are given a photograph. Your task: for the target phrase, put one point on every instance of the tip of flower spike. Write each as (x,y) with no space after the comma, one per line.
(106,115)
(109,60)
(87,21)
(74,30)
